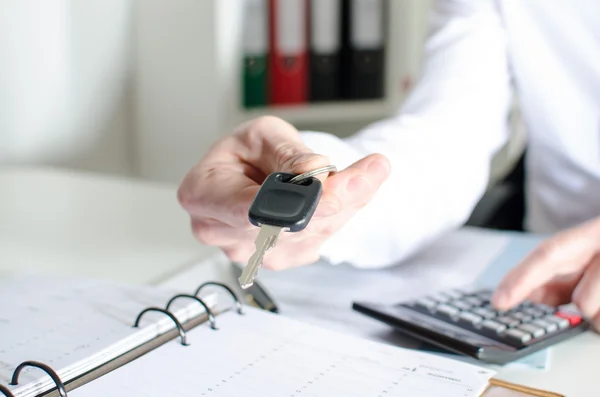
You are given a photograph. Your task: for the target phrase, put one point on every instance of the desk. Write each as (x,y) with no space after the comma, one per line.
(301,294)
(132,231)
(65,222)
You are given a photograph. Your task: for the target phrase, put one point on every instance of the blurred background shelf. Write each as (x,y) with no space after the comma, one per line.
(189,80)
(150,85)
(324,112)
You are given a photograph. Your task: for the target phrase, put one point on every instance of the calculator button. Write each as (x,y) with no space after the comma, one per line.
(562,323)
(426,303)
(518,336)
(550,327)
(545,308)
(485,313)
(493,326)
(470,318)
(441,297)
(460,305)
(534,330)
(573,319)
(485,294)
(525,304)
(447,310)
(454,293)
(521,316)
(533,312)
(473,301)
(508,321)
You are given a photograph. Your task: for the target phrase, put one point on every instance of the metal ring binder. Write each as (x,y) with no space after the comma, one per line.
(4,390)
(182,333)
(211,317)
(59,384)
(238,303)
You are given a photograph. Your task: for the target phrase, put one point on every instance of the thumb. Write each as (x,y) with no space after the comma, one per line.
(355,186)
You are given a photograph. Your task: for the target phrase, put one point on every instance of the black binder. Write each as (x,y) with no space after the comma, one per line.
(60,386)
(325,48)
(364,33)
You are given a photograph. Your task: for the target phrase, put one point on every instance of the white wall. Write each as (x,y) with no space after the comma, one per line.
(178,85)
(64,83)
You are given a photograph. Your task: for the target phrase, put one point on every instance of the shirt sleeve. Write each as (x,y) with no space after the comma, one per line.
(440,143)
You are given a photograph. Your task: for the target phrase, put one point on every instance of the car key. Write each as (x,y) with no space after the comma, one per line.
(279,206)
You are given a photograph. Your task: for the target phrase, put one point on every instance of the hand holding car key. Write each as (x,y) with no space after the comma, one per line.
(285,202)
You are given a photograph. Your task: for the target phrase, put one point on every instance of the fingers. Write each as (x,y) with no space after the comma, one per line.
(567,253)
(218,194)
(274,145)
(355,186)
(556,292)
(219,190)
(344,193)
(215,233)
(292,250)
(587,293)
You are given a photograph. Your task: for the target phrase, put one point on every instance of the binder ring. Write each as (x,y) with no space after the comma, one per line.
(211,317)
(4,390)
(55,378)
(182,333)
(238,304)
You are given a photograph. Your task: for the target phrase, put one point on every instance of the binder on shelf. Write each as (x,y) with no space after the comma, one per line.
(364,48)
(255,49)
(288,65)
(325,43)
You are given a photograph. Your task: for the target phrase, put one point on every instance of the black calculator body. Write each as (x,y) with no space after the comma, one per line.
(465,322)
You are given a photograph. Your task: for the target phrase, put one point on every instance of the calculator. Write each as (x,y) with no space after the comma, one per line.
(465,322)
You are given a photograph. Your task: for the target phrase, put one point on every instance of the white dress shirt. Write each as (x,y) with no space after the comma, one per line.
(441,142)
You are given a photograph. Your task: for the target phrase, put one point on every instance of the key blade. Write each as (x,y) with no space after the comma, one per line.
(266,239)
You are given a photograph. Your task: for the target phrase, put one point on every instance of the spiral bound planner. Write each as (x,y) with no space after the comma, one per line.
(56,333)
(96,339)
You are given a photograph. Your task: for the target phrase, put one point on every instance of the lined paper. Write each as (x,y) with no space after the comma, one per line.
(74,325)
(263,354)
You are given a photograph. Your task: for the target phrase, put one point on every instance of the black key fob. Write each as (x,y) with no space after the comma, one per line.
(283,204)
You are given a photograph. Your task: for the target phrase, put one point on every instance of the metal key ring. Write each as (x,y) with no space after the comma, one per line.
(309,174)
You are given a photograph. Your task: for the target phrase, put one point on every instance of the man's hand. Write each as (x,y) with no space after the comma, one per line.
(218,192)
(563,269)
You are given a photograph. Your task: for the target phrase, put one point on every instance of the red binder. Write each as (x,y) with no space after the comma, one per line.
(288,63)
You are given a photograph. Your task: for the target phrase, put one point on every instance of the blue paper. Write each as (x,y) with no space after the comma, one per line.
(519,246)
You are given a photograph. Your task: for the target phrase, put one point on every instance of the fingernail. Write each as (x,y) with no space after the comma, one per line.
(378,167)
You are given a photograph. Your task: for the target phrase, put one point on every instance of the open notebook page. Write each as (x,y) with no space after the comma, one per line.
(74,325)
(267,355)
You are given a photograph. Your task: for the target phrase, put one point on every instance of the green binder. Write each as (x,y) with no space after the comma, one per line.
(255,48)
(255,81)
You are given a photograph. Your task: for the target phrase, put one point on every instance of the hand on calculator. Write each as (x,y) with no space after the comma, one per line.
(218,192)
(563,269)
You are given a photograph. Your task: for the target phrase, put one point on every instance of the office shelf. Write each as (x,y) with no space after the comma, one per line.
(323,112)
(188,80)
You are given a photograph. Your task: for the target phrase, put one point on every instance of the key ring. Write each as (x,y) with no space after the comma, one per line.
(309,174)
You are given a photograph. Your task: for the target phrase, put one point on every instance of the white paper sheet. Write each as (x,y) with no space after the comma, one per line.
(74,325)
(262,354)
(322,294)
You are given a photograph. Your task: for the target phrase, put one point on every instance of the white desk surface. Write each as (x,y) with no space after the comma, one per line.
(71,223)
(64,222)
